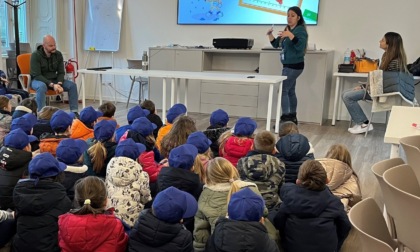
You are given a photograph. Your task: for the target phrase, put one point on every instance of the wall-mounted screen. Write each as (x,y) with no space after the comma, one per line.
(243,12)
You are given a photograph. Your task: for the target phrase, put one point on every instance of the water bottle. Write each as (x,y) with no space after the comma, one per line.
(347,56)
(145,61)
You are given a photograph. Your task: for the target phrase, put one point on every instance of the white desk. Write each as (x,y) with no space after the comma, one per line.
(339,91)
(175,76)
(399,126)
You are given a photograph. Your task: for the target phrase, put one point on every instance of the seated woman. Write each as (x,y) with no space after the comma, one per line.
(394,59)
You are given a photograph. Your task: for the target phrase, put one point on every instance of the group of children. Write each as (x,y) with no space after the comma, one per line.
(75,182)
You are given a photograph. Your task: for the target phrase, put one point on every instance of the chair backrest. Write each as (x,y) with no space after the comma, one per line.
(411,146)
(134,64)
(24,63)
(380,168)
(404,192)
(366,217)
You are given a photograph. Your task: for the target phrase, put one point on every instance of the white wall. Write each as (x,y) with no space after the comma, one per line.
(342,24)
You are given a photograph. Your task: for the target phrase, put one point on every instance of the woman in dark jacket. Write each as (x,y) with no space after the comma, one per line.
(39,201)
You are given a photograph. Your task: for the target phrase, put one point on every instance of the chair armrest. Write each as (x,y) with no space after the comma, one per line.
(22,78)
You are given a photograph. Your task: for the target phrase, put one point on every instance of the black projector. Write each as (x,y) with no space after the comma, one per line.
(233,43)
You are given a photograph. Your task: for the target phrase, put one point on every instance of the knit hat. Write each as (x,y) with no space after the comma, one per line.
(18,139)
(88,115)
(245,126)
(245,205)
(136,112)
(175,111)
(183,156)
(44,165)
(104,130)
(219,117)
(129,148)
(70,150)
(61,120)
(171,205)
(25,122)
(199,140)
(143,126)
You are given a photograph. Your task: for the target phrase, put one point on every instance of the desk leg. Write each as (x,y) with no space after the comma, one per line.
(164,100)
(270,105)
(100,89)
(83,91)
(276,129)
(186,95)
(172,91)
(337,90)
(395,151)
(177,90)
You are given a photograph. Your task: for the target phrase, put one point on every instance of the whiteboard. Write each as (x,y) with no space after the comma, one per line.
(103,25)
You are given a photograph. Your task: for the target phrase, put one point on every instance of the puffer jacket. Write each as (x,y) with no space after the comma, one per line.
(85,233)
(184,180)
(21,111)
(13,166)
(72,174)
(267,172)
(153,235)
(399,82)
(236,148)
(49,142)
(163,131)
(80,131)
(41,127)
(38,205)
(213,133)
(231,235)
(311,220)
(128,188)
(293,151)
(147,161)
(343,182)
(211,205)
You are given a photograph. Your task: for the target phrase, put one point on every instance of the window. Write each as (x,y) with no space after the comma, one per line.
(7,26)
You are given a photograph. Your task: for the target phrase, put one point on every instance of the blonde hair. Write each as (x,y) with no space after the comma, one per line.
(312,175)
(287,128)
(182,127)
(220,170)
(46,112)
(198,168)
(341,153)
(97,153)
(264,141)
(90,196)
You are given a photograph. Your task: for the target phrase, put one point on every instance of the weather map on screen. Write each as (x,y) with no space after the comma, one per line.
(243,12)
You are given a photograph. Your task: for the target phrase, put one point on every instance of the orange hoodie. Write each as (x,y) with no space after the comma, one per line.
(80,131)
(163,131)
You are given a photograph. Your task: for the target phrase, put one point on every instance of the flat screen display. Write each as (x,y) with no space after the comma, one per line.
(243,12)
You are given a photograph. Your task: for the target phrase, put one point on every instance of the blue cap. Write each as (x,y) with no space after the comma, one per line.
(171,205)
(175,111)
(136,112)
(70,150)
(129,148)
(25,122)
(245,126)
(219,117)
(104,130)
(199,140)
(183,156)
(143,126)
(245,205)
(9,96)
(61,120)
(88,115)
(18,139)
(44,165)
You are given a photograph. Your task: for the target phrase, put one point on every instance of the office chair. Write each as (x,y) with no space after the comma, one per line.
(136,64)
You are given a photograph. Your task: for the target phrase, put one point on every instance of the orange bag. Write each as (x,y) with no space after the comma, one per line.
(365,65)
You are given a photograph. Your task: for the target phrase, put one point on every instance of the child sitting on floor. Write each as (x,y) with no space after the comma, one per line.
(175,111)
(83,128)
(153,117)
(133,113)
(60,124)
(218,125)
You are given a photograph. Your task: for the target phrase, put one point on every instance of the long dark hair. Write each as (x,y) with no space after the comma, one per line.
(301,20)
(395,50)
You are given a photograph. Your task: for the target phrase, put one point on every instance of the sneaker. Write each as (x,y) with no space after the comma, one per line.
(360,128)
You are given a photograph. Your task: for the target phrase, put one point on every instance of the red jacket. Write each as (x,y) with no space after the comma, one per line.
(100,233)
(147,161)
(236,148)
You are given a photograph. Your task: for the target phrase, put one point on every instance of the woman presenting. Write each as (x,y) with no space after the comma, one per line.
(293,40)
(394,59)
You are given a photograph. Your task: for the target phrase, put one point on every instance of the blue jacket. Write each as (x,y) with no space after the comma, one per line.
(293,151)
(311,220)
(293,50)
(399,82)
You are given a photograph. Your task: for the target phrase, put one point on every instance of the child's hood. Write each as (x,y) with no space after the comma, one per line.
(293,147)
(123,171)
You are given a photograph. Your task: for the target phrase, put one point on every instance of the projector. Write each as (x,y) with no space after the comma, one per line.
(233,43)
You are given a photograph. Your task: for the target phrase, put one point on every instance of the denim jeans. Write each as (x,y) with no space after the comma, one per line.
(68,86)
(350,98)
(288,95)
